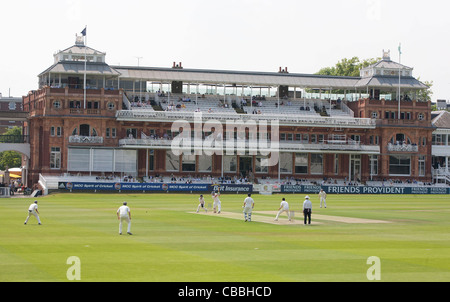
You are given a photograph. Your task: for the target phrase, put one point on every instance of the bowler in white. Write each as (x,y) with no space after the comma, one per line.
(284,207)
(33,210)
(217,205)
(323,198)
(124,214)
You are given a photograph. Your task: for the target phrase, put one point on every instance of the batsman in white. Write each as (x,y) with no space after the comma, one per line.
(284,207)
(216,205)
(124,214)
(33,210)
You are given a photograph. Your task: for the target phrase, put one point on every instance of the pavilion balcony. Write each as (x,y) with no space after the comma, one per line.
(85,111)
(14,139)
(443,150)
(76,139)
(283,119)
(261,146)
(402,147)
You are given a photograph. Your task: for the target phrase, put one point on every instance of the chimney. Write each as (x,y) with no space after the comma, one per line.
(173,65)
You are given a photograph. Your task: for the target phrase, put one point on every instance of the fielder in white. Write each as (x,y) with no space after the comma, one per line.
(33,210)
(216,205)
(323,197)
(248,206)
(124,214)
(284,207)
(201,204)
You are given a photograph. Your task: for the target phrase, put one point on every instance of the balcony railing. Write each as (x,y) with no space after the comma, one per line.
(14,139)
(403,147)
(86,139)
(266,146)
(85,111)
(283,119)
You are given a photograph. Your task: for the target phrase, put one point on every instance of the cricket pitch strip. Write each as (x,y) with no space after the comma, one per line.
(297,218)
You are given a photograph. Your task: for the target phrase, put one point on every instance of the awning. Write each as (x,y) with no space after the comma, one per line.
(235,77)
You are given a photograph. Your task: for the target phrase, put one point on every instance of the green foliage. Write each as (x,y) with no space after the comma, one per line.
(347,67)
(10,159)
(425,94)
(13,131)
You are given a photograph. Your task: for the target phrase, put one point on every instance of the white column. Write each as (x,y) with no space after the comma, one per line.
(146,163)
(304,98)
(196,95)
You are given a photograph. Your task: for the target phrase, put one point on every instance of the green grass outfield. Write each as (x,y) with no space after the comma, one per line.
(172,244)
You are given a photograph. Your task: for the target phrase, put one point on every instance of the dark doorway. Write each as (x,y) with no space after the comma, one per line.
(245,165)
(84,130)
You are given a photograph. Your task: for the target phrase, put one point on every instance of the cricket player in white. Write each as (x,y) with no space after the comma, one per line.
(323,197)
(201,204)
(124,214)
(216,204)
(33,210)
(284,207)
(248,206)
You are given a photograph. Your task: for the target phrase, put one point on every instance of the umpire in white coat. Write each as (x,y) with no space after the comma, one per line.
(307,209)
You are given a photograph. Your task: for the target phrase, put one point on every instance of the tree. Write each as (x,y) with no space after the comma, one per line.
(11,135)
(425,94)
(10,159)
(347,67)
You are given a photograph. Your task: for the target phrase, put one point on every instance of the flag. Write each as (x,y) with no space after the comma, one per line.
(83,32)
(400,48)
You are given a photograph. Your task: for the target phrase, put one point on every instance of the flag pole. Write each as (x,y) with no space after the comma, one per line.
(399,74)
(85,63)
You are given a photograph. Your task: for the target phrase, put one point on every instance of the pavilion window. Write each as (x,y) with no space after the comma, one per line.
(55,158)
(301,163)
(172,162)
(229,163)
(399,165)
(285,163)
(259,168)
(188,163)
(316,163)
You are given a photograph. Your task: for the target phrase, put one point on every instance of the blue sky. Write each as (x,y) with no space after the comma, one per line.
(253,35)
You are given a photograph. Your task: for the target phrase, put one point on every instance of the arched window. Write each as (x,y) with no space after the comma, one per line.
(399,139)
(84,130)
